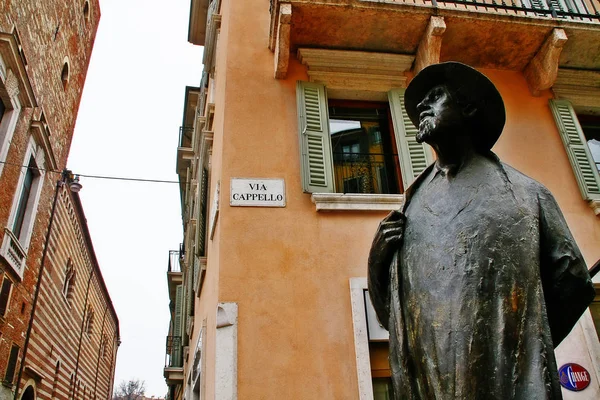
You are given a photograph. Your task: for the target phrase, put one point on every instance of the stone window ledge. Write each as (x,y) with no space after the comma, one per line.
(357,201)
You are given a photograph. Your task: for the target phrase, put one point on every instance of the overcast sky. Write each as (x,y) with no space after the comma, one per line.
(128,126)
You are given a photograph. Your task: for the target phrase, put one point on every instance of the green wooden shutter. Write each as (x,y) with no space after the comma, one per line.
(176,356)
(578,152)
(201,217)
(414,157)
(315,143)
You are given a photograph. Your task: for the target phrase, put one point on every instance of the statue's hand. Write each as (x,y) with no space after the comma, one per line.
(387,240)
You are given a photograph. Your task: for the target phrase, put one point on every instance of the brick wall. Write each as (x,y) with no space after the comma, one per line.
(50,33)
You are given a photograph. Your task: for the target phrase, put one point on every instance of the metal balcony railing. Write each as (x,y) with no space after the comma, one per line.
(575,10)
(174,263)
(185,136)
(173,356)
(366,172)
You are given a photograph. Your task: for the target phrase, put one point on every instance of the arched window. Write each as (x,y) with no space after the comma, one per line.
(86,12)
(56,372)
(69,283)
(103,346)
(72,383)
(64,75)
(89,321)
(28,393)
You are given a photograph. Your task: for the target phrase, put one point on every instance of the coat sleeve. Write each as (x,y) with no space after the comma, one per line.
(378,279)
(568,289)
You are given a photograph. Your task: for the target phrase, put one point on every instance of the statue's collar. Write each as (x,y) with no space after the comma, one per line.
(408,193)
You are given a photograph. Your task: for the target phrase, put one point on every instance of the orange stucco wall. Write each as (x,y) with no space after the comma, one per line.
(288,268)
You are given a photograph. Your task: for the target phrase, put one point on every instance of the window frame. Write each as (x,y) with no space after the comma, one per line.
(6,306)
(317,165)
(578,152)
(69,282)
(12,104)
(377,105)
(12,361)
(11,243)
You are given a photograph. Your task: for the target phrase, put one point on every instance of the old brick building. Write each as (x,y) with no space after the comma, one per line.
(45,48)
(73,345)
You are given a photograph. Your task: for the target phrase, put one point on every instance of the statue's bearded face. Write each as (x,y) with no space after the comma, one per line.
(439,114)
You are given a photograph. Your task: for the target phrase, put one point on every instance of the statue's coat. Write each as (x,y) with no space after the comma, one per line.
(487,281)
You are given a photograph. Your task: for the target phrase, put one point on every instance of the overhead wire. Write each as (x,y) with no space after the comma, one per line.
(120,178)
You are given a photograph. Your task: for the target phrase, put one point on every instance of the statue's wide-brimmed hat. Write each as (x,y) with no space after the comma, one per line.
(470,84)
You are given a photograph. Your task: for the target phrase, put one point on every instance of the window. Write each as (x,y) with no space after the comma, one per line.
(31,175)
(354,147)
(64,74)
(590,125)
(86,12)
(89,321)
(103,346)
(9,374)
(9,109)
(24,208)
(5,295)
(595,310)
(371,341)
(382,389)
(69,282)
(579,143)
(362,144)
(55,384)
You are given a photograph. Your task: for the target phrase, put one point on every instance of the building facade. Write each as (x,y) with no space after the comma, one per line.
(296,144)
(75,337)
(45,49)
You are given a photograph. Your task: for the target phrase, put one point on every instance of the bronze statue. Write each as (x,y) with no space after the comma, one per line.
(478,277)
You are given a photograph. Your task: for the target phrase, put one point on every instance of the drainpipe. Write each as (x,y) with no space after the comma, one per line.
(60,183)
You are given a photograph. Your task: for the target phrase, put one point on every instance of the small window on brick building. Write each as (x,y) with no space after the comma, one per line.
(72,383)
(64,75)
(103,346)
(9,374)
(89,322)
(5,295)
(69,283)
(55,384)
(86,12)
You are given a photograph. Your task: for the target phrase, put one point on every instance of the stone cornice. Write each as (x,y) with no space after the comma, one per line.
(351,74)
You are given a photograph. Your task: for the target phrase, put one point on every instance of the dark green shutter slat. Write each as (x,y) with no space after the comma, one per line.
(414,157)
(315,143)
(577,149)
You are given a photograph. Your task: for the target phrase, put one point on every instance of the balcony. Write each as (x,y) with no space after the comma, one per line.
(13,252)
(173,371)
(498,34)
(174,275)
